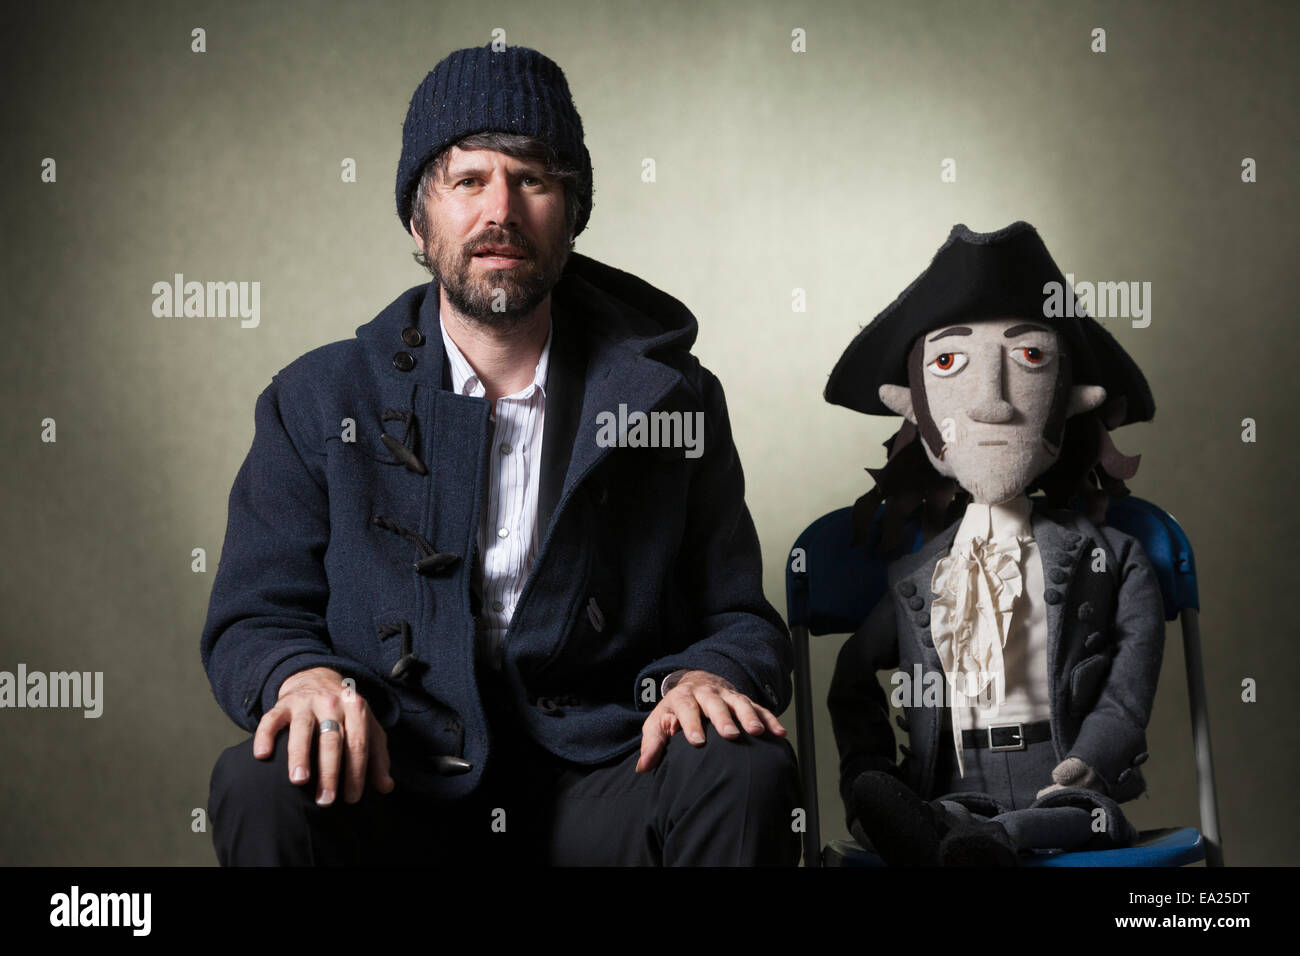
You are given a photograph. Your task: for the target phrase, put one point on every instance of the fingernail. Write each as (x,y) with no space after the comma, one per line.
(299,774)
(697,738)
(326,796)
(730,729)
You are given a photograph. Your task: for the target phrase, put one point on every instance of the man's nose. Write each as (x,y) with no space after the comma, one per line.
(988,404)
(500,203)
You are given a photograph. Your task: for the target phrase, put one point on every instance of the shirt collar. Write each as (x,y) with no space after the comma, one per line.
(1000,522)
(465,381)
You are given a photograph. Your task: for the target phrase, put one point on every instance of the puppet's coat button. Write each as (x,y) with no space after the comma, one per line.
(403,361)
(1072,540)
(413,337)
(1124,775)
(1052,596)
(1085,611)
(1140,759)
(907,589)
(1092,640)
(923,620)
(1059,575)
(916,602)
(1065,560)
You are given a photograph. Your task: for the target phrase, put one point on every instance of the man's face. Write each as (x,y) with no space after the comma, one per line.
(989,387)
(497,241)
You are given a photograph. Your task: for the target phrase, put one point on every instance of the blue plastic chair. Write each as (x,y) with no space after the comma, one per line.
(831,586)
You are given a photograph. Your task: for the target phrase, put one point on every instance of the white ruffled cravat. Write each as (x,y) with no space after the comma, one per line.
(976,586)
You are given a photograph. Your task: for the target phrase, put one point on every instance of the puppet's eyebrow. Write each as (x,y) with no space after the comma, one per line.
(1015,330)
(955,330)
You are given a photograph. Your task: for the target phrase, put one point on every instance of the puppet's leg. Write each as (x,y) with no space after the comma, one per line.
(897,824)
(972,832)
(1107,827)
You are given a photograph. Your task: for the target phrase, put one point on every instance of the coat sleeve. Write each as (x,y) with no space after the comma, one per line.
(266,615)
(738,635)
(857,703)
(1114,732)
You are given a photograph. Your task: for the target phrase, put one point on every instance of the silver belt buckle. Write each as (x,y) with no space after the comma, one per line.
(1019,737)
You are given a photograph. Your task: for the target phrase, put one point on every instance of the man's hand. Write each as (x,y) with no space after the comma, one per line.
(681,707)
(307,698)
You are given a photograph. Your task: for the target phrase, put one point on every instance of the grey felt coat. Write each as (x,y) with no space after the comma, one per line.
(1105,645)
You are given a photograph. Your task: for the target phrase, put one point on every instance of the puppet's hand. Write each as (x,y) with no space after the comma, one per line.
(1073,772)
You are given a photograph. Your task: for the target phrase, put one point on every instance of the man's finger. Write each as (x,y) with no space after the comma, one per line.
(687,711)
(718,710)
(654,737)
(300,728)
(329,750)
(745,713)
(270,725)
(769,718)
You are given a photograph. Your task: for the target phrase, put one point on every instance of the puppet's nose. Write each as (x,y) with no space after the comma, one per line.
(991,409)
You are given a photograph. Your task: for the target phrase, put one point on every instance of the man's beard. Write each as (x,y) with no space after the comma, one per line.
(496,297)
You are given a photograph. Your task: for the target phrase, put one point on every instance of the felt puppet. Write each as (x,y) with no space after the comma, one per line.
(1025,636)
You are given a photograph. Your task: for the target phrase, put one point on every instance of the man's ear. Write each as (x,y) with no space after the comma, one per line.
(898,399)
(415,235)
(1084,398)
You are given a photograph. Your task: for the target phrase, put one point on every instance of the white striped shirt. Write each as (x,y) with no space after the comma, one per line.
(508,532)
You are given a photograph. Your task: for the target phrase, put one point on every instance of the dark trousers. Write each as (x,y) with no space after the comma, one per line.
(727,803)
(1004,785)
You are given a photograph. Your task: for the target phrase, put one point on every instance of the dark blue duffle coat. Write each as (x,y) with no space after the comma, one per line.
(360,554)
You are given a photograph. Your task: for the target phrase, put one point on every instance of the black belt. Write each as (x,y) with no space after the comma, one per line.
(1007,736)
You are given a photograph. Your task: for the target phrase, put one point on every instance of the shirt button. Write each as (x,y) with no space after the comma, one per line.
(503,532)
(506,449)
(498,606)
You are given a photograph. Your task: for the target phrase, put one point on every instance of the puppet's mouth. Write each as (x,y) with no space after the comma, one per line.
(991,443)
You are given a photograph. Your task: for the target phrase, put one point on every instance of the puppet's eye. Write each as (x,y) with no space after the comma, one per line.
(948,363)
(1031,356)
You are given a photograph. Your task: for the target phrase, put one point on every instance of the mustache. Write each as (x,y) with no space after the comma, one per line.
(498,238)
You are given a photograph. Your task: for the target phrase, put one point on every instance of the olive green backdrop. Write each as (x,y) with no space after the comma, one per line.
(775,171)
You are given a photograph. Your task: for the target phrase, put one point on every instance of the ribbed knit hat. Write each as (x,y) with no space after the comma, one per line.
(515,90)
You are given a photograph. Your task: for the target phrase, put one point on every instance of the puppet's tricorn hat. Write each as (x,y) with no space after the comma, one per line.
(989,275)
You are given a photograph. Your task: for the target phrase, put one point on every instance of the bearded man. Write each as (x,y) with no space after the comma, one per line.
(460,626)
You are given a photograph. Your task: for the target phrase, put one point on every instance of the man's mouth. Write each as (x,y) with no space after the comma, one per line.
(499,254)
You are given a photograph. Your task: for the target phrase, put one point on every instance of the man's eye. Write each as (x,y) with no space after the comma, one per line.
(947,363)
(1031,356)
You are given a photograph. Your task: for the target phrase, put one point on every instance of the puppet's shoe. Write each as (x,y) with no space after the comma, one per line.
(900,826)
(984,844)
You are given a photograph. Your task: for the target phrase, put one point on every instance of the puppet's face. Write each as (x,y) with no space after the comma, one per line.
(989,385)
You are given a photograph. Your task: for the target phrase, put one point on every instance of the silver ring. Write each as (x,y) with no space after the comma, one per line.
(329,725)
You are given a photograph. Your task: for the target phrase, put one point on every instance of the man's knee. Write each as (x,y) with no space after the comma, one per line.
(241,780)
(748,766)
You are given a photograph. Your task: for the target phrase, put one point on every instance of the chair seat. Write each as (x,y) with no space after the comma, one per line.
(1168,847)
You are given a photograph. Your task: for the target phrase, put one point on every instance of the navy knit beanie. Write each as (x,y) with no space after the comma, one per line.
(515,90)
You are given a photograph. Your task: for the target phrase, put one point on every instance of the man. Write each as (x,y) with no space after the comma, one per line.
(1035,633)
(487,619)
